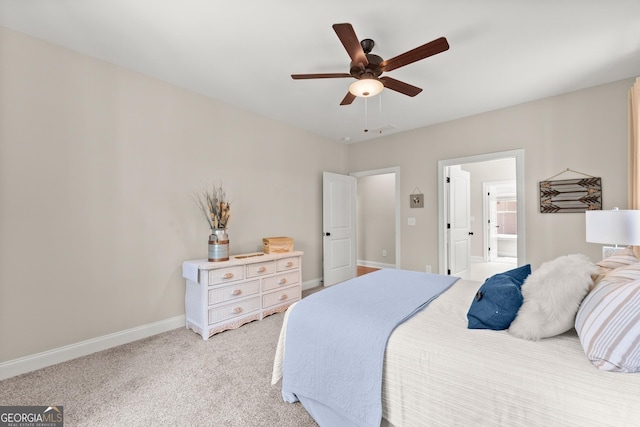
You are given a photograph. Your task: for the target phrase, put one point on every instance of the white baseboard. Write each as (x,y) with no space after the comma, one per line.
(375,264)
(62,354)
(33,362)
(311,284)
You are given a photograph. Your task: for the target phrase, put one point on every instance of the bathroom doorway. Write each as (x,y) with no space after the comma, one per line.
(483,168)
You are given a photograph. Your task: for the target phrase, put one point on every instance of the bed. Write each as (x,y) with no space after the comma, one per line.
(438,372)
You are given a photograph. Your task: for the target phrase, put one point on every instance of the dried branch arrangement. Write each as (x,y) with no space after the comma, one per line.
(214,205)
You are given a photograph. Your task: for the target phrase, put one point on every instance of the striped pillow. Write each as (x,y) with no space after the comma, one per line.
(608,324)
(628,273)
(619,259)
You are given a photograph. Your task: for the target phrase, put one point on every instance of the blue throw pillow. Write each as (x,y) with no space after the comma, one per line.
(498,300)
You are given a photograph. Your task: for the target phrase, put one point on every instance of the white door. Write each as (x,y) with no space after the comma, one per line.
(459,221)
(339,227)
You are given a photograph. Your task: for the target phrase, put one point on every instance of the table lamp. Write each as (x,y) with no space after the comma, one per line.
(616,227)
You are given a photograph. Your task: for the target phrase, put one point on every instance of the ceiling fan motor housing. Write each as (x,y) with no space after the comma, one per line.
(371,70)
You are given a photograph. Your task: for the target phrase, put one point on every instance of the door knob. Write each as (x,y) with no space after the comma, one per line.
(471,233)
(327,234)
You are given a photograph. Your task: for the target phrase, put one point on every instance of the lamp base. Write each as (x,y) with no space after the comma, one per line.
(608,251)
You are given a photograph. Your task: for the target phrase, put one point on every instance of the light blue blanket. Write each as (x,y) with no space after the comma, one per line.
(336,340)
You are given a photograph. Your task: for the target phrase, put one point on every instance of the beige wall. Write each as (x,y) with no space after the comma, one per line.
(98,165)
(97,169)
(584,130)
(377,219)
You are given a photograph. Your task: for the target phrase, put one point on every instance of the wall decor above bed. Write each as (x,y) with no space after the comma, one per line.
(570,195)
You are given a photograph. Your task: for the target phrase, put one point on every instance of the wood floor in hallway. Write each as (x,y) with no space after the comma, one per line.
(362,270)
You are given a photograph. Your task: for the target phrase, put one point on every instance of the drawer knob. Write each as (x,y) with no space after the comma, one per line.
(262,269)
(236,292)
(237,310)
(289,264)
(283,297)
(228,276)
(282,281)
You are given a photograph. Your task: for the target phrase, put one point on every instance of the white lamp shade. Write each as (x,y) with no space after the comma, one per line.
(615,227)
(366,87)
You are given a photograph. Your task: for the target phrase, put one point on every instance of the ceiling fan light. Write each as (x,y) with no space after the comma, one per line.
(365,88)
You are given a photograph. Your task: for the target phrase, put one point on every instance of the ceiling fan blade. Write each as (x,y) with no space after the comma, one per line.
(319,76)
(348,99)
(350,41)
(433,47)
(398,86)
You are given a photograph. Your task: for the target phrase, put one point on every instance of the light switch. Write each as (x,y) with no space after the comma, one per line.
(411,221)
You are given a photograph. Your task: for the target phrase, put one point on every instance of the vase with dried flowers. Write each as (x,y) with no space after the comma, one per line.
(216,208)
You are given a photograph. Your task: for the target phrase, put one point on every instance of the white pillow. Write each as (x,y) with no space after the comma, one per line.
(608,324)
(552,296)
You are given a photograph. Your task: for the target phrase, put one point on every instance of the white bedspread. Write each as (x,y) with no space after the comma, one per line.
(439,373)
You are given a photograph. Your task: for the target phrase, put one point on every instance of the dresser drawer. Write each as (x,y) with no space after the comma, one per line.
(281,296)
(224,275)
(288,263)
(239,290)
(234,309)
(281,280)
(260,268)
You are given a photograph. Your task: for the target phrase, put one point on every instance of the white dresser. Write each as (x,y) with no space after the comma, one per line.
(227,294)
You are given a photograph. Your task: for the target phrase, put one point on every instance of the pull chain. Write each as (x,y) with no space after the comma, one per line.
(366,114)
(380,115)
(366,129)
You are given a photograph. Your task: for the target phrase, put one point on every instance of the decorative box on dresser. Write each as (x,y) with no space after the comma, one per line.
(227,294)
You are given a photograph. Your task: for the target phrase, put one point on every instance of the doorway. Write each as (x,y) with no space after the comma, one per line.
(341,218)
(477,220)
(378,217)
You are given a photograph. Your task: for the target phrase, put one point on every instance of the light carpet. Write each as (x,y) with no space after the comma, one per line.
(174,378)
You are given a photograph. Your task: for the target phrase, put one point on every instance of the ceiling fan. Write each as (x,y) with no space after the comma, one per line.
(367,67)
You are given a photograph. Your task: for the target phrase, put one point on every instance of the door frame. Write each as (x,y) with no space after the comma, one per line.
(395,170)
(443,210)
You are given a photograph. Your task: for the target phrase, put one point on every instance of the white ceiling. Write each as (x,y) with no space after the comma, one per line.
(503,52)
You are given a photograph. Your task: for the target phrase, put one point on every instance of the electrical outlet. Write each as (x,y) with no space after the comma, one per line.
(384,252)
(428,268)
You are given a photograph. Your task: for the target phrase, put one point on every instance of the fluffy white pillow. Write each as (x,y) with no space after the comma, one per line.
(552,296)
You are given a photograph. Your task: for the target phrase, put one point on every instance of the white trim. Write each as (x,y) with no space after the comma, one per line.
(395,170)
(311,284)
(375,264)
(30,363)
(518,154)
